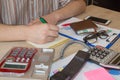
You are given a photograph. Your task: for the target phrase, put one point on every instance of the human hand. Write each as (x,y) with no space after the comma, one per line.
(42,33)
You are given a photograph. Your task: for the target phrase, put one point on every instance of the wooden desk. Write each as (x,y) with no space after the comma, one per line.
(103,13)
(91,10)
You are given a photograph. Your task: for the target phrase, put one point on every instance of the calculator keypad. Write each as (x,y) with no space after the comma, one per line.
(22,54)
(101,54)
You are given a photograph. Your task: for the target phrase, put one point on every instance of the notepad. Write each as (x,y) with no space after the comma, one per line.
(98,74)
(59,41)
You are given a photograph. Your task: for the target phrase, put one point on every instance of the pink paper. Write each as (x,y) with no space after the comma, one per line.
(98,74)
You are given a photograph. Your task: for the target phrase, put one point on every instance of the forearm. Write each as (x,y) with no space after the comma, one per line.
(74,8)
(38,33)
(12,33)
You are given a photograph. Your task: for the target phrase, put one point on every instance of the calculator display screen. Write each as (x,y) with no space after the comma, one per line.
(14,66)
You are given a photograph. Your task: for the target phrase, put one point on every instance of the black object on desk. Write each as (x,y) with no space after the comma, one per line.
(75,65)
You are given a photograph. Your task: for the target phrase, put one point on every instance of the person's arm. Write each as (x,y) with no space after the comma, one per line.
(38,33)
(73,8)
(11,33)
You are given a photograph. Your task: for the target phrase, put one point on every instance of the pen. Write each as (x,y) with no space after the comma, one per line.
(67,24)
(113,41)
(43,20)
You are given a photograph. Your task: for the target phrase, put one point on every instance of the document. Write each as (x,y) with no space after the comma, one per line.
(67,31)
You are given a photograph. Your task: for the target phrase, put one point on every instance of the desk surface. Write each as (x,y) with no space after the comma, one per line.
(103,13)
(91,10)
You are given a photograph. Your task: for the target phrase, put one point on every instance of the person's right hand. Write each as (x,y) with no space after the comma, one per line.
(41,33)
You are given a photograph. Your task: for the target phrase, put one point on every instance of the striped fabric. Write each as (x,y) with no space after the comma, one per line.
(23,11)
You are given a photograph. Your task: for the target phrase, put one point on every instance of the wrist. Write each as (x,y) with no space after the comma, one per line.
(57,16)
(24,32)
(52,18)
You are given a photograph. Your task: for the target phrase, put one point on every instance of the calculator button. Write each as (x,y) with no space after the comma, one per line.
(23,52)
(93,54)
(32,50)
(104,54)
(97,55)
(15,51)
(101,57)
(103,51)
(18,59)
(30,53)
(107,52)
(96,51)
(23,59)
(27,60)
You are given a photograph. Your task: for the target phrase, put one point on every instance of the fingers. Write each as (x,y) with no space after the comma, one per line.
(50,39)
(46,39)
(53,27)
(52,33)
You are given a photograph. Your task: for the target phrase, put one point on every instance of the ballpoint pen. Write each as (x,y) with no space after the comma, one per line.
(43,20)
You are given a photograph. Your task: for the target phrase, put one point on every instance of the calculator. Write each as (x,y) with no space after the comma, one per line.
(19,59)
(105,57)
